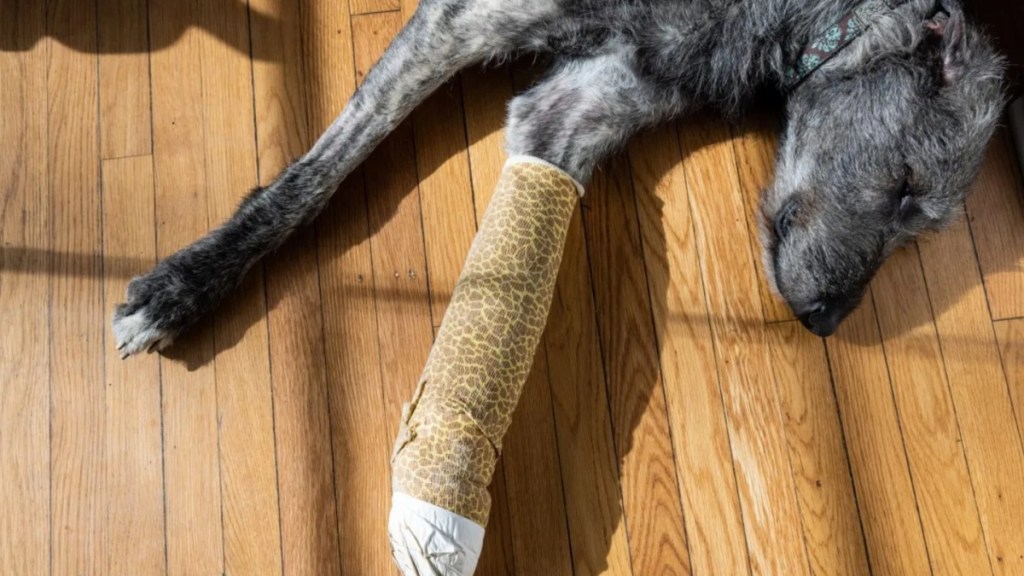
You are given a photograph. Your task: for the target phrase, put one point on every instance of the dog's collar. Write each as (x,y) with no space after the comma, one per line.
(833,40)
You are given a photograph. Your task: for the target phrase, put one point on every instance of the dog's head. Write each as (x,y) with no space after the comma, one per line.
(880,145)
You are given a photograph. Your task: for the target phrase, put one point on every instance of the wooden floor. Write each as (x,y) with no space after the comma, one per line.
(677,421)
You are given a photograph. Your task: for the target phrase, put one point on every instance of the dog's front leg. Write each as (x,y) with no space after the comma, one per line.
(451,433)
(586,109)
(442,37)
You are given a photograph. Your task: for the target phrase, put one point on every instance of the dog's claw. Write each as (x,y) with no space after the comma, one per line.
(136,332)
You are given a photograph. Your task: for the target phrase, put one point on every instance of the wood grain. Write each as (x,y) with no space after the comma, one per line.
(995,211)
(25,223)
(374,6)
(597,529)
(78,488)
(821,468)
(192,480)
(755,142)
(134,455)
(874,441)
(446,194)
(1010,334)
(979,390)
(305,471)
(636,395)
(764,478)
(938,467)
(700,435)
(248,473)
(399,262)
(360,445)
(126,128)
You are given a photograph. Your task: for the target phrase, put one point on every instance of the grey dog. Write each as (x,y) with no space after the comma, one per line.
(889,106)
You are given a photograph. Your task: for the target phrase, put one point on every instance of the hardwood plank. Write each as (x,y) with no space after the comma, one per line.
(755,142)
(407,8)
(498,556)
(252,537)
(279,86)
(360,445)
(765,481)
(636,394)
(396,222)
(396,246)
(535,526)
(942,483)
(79,530)
(486,94)
(192,480)
(125,124)
(309,523)
(536,522)
(446,195)
(134,443)
(817,449)
(328,54)
(979,390)
(25,217)
(373,6)
(597,529)
(995,211)
(1010,334)
(700,436)
(876,448)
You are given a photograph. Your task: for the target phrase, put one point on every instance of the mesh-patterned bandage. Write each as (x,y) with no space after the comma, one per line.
(451,431)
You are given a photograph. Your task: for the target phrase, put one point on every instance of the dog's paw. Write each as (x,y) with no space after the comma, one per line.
(158,306)
(136,330)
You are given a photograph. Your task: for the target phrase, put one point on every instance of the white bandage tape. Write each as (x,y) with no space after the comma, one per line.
(430,541)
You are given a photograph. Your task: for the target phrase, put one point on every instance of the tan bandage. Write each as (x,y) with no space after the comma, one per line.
(451,432)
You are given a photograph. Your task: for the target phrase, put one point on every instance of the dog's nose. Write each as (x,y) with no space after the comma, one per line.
(820,318)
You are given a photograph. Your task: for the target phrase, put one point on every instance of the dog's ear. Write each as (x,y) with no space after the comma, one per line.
(946,34)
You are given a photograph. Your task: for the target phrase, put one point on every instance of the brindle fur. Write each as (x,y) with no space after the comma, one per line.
(880,143)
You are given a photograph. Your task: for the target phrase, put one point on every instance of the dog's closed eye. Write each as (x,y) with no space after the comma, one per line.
(784,218)
(906,204)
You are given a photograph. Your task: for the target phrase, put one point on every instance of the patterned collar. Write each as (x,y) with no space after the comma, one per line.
(837,37)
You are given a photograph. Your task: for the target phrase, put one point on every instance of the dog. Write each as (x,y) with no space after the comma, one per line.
(889,107)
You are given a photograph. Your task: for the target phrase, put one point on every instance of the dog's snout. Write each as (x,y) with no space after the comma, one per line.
(821,318)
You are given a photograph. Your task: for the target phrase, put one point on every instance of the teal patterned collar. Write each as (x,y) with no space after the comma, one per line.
(833,40)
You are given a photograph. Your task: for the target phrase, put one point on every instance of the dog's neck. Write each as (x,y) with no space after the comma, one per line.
(723,55)
(834,39)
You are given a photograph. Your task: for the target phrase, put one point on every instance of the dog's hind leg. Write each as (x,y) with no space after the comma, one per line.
(441,38)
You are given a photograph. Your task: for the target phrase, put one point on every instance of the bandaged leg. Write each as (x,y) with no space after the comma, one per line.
(451,431)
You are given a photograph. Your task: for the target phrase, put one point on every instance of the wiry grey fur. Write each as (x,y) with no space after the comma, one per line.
(881,143)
